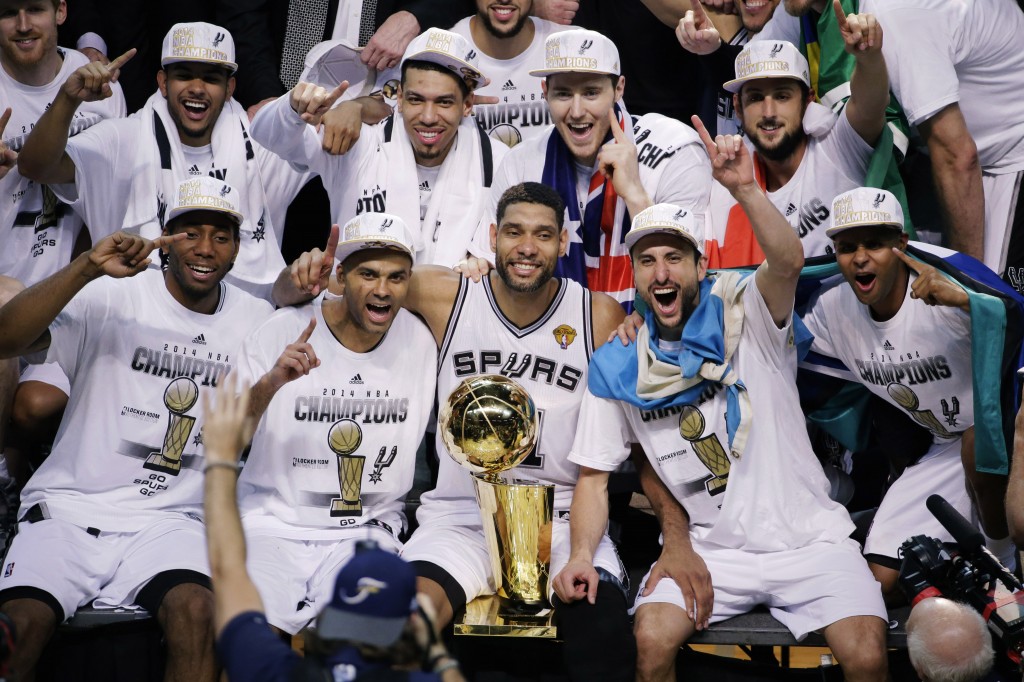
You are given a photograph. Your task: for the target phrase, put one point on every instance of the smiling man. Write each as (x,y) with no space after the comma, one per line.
(123,174)
(605,174)
(805,155)
(341,414)
(708,390)
(114,513)
(904,331)
(428,164)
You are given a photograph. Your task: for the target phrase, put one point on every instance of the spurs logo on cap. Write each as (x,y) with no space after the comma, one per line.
(879,198)
(587,44)
(680,214)
(386,224)
(218,39)
(471,55)
(225,190)
(776,49)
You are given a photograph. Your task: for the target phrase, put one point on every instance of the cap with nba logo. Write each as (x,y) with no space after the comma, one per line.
(374,231)
(668,219)
(205,193)
(769,59)
(199,42)
(449,50)
(865,206)
(579,51)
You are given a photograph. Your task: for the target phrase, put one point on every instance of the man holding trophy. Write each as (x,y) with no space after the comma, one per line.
(752,500)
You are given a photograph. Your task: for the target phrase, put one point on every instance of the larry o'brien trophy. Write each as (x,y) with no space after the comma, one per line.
(344,439)
(179,397)
(489,425)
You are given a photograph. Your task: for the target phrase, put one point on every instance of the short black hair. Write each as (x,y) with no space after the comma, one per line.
(532,193)
(431,66)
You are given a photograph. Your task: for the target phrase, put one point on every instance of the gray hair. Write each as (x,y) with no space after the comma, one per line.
(938,637)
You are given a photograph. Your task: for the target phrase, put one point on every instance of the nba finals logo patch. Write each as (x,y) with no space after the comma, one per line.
(564,335)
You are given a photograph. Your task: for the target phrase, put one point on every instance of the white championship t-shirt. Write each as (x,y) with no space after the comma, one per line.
(336,448)
(138,362)
(521,113)
(919,360)
(37,229)
(775,496)
(548,358)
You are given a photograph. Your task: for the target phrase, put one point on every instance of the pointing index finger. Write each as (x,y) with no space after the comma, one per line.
(332,244)
(335,94)
(617,131)
(4,119)
(837,6)
(122,60)
(308,331)
(910,262)
(700,17)
(167,239)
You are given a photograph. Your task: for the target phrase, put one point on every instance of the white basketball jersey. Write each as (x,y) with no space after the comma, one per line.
(549,358)
(130,446)
(336,448)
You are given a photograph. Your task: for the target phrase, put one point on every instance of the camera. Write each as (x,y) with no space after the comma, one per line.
(966,571)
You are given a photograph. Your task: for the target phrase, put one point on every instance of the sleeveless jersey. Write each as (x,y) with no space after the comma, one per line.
(549,358)
(336,448)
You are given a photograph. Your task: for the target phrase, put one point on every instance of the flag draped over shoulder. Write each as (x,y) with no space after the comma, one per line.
(997,332)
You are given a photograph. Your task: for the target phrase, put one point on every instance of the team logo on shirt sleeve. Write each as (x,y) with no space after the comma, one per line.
(708,449)
(180,396)
(344,439)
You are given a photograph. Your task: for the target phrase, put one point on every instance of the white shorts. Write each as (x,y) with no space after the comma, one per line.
(47,373)
(76,567)
(903,513)
(805,589)
(1002,197)
(462,552)
(295,578)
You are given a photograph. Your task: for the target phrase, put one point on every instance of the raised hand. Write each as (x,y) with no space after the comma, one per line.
(227,424)
(861,32)
(311,101)
(388,44)
(312,270)
(617,160)
(731,163)
(8,157)
(696,33)
(296,360)
(931,286)
(125,255)
(91,82)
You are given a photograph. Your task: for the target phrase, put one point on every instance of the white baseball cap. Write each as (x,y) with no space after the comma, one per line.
(865,206)
(374,231)
(333,61)
(667,218)
(205,193)
(449,50)
(199,42)
(579,51)
(769,59)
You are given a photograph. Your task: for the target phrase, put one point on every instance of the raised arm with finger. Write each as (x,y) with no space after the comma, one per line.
(617,160)
(296,360)
(43,157)
(869,83)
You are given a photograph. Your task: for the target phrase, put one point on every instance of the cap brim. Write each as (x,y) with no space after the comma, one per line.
(336,624)
(231,66)
(347,248)
(175,212)
(633,236)
(833,231)
(543,73)
(735,84)
(447,61)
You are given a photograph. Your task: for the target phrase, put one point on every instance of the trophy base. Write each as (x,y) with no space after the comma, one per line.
(157,462)
(492,616)
(340,507)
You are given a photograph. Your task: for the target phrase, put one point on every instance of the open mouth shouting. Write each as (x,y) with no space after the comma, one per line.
(195,109)
(665,300)
(865,282)
(580,132)
(378,313)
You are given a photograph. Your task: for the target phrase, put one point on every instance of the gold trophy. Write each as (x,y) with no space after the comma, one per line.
(489,425)
(179,397)
(344,439)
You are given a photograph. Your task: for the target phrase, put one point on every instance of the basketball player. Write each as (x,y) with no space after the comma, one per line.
(731,447)
(341,414)
(429,164)
(113,515)
(904,331)
(510,43)
(605,166)
(513,322)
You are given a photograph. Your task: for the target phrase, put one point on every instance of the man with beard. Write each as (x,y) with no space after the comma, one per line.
(708,391)
(114,513)
(509,41)
(123,174)
(540,330)
(804,154)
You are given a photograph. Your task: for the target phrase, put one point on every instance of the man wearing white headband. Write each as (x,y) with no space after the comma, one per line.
(114,514)
(428,164)
(805,155)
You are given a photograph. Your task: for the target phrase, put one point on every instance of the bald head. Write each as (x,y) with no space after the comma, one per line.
(948,642)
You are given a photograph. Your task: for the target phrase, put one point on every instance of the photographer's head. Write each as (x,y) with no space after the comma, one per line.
(948,642)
